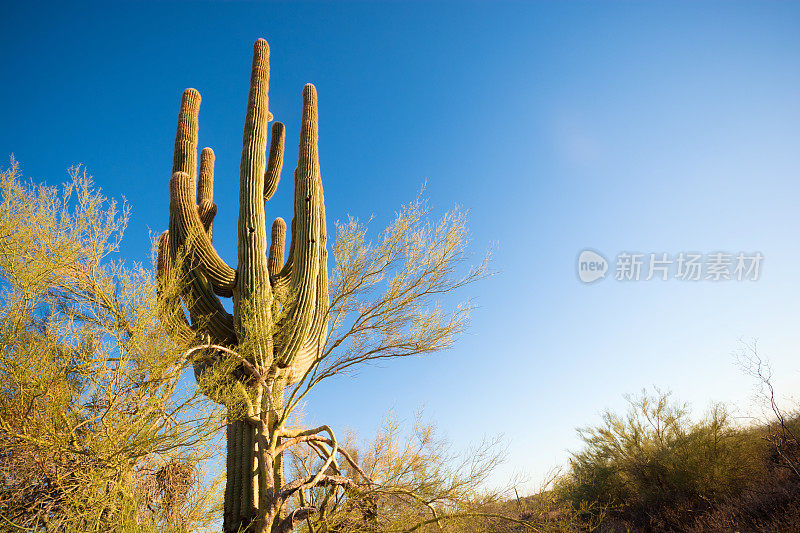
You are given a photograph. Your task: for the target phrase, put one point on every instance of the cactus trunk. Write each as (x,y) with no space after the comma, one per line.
(240,504)
(280,307)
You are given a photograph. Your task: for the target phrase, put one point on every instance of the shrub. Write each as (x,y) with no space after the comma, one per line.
(655,466)
(96,431)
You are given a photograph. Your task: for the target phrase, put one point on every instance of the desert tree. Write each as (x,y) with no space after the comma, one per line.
(416,481)
(96,432)
(294,323)
(782,426)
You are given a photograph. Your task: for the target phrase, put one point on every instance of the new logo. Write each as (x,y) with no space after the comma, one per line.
(591,266)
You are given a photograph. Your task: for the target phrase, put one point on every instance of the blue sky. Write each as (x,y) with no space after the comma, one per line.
(650,127)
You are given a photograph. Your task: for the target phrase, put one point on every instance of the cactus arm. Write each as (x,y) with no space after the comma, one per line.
(277,247)
(253,287)
(282,280)
(315,342)
(312,347)
(185,161)
(207,211)
(205,309)
(164,267)
(193,233)
(205,183)
(185,154)
(275,161)
(219,328)
(172,315)
(207,312)
(307,236)
(206,207)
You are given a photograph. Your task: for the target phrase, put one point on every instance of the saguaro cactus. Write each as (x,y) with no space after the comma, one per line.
(280,308)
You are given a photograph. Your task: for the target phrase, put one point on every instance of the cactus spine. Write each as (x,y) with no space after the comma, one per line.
(280,308)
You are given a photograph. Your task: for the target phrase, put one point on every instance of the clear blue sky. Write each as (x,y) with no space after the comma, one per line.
(654,127)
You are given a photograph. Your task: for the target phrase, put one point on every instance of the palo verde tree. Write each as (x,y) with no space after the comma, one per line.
(290,329)
(96,433)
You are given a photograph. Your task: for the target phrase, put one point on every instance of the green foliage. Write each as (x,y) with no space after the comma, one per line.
(656,458)
(417,483)
(96,433)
